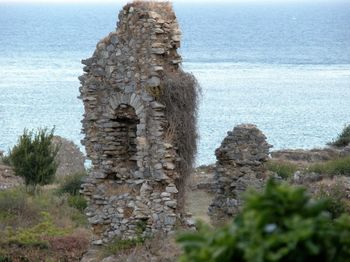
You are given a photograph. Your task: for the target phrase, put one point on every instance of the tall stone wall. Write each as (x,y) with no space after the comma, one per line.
(240,164)
(132,189)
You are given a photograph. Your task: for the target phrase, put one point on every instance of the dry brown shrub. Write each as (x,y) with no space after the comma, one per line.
(72,247)
(180,97)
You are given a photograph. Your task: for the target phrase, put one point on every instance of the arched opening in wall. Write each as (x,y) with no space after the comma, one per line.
(125,129)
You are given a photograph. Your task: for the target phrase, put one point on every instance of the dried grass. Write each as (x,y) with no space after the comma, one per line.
(180,97)
(78,242)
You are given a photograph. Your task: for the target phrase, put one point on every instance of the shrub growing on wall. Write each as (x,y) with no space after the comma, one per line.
(33,158)
(280,224)
(179,94)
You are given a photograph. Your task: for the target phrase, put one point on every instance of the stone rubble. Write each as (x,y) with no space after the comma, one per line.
(8,179)
(132,189)
(240,164)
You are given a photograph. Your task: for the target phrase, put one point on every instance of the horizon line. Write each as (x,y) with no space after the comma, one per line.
(87,2)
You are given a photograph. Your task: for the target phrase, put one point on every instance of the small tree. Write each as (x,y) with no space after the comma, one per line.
(33,158)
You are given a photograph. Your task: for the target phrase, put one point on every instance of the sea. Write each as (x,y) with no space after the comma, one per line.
(284,67)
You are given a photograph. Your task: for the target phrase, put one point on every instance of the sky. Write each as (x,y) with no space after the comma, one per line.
(175,1)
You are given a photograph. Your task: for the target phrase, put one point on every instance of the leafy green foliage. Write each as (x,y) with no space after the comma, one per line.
(280,224)
(33,158)
(5,258)
(71,184)
(77,202)
(343,138)
(283,168)
(339,166)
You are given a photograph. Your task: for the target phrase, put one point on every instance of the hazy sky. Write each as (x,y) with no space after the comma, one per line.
(175,1)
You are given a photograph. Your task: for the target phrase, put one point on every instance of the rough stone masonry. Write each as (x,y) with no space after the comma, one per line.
(132,189)
(240,164)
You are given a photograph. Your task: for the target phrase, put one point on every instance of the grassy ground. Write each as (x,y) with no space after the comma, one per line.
(41,227)
(285,169)
(197,204)
(334,167)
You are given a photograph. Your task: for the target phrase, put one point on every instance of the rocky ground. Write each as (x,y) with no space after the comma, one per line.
(7,178)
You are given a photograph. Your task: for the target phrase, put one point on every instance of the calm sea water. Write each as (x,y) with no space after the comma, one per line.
(285,68)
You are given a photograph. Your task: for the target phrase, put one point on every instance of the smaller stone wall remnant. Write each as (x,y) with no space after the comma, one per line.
(240,164)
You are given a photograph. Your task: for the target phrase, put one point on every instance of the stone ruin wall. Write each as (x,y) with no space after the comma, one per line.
(240,164)
(132,188)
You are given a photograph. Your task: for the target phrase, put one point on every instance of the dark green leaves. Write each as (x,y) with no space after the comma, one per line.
(33,158)
(280,224)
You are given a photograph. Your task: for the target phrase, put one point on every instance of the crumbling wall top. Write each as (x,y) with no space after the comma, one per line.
(245,145)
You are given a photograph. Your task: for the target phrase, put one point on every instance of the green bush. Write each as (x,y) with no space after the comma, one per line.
(71,184)
(33,236)
(280,224)
(339,166)
(5,258)
(77,202)
(33,158)
(283,168)
(343,138)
